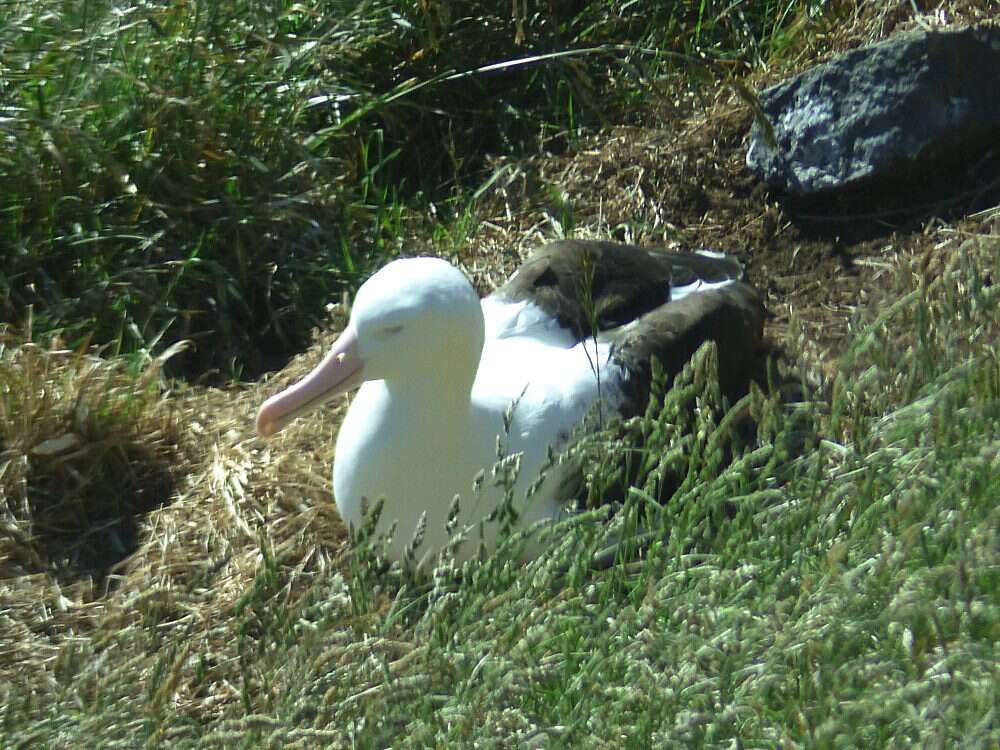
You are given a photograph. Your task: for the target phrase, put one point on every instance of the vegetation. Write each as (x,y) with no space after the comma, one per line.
(219,173)
(216,171)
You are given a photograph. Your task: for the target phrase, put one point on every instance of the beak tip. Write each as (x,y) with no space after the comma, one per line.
(265,427)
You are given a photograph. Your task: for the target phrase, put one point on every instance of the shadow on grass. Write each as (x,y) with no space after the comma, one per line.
(87,507)
(875,210)
(87,448)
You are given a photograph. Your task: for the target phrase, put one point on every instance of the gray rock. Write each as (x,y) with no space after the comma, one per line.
(896,111)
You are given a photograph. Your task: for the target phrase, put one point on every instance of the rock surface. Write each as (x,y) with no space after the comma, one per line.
(898,110)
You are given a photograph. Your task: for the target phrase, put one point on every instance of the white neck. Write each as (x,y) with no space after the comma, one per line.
(443,389)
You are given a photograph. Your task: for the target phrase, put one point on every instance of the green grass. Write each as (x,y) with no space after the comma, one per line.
(841,594)
(218,172)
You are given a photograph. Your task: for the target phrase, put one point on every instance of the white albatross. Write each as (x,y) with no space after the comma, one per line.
(439,370)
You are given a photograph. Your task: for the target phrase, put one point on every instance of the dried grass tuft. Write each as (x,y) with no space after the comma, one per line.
(87,448)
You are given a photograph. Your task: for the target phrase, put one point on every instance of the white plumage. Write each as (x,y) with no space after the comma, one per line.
(439,369)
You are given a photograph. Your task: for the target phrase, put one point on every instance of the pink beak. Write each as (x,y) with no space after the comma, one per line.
(340,371)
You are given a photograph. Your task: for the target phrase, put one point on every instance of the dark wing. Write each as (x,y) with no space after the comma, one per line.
(732,316)
(587,284)
(623,291)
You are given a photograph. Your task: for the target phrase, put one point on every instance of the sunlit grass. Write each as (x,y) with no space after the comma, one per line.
(834,585)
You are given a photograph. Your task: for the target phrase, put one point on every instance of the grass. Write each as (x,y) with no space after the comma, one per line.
(87,446)
(158,184)
(218,173)
(844,595)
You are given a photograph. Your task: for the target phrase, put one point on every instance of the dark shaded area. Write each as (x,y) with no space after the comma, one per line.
(86,507)
(943,188)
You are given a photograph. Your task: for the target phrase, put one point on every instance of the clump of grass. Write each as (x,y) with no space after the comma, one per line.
(86,448)
(158,186)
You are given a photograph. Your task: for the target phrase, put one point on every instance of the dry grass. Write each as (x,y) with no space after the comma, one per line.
(127,504)
(87,447)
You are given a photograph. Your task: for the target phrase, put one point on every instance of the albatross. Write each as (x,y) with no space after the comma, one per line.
(450,383)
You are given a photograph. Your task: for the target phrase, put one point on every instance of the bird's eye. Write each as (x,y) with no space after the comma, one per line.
(390,330)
